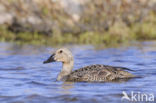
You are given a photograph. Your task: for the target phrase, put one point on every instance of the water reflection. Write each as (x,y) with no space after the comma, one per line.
(66,87)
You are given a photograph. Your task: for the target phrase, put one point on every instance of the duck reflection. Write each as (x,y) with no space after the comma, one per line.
(66,87)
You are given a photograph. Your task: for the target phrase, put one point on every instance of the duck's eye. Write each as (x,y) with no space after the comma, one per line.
(60,51)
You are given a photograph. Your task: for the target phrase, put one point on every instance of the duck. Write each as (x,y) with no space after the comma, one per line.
(91,73)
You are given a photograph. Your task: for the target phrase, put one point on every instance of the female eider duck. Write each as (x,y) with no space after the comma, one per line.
(92,73)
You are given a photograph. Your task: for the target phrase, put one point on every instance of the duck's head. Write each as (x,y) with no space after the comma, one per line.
(61,55)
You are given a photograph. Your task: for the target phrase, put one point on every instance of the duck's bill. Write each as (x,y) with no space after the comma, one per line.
(50,59)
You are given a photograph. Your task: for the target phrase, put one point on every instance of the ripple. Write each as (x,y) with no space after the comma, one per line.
(37,83)
(12,69)
(24,79)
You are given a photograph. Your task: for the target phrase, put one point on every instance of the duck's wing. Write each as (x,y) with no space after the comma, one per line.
(99,73)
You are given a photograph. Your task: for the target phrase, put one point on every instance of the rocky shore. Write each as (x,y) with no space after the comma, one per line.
(77,21)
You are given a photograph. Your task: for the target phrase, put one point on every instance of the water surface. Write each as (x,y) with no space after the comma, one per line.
(25,79)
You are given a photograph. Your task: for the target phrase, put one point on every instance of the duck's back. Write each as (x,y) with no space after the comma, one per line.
(99,73)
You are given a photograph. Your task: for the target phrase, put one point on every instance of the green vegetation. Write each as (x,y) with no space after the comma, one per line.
(116,35)
(99,22)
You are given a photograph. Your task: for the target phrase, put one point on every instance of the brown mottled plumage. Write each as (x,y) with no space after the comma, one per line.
(98,73)
(92,73)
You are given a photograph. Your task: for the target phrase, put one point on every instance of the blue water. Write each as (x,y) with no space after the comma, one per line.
(25,79)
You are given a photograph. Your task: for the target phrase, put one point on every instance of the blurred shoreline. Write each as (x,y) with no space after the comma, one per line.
(53,22)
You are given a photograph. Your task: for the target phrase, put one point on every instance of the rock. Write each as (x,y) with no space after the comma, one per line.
(31,24)
(72,16)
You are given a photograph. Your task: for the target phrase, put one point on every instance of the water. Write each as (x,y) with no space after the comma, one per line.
(25,79)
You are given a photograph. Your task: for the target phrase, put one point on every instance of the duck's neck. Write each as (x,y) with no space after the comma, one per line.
(66,70)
